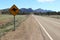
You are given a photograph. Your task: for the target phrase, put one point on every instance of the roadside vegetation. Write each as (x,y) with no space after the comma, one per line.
(7,23)
(49,14)
(54,16)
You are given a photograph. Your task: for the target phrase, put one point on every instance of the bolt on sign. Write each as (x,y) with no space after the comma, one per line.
(14,10)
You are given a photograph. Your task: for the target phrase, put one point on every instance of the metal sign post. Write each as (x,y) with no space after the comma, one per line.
(14,23)
(14,10)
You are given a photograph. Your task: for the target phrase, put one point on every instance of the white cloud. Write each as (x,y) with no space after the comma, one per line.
(45,0)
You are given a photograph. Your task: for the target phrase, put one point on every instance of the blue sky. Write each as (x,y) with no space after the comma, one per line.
(34,4)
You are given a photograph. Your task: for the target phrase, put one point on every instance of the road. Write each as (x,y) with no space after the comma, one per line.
(36,28)
(50,26)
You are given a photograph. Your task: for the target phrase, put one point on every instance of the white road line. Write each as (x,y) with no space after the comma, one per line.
(43,29)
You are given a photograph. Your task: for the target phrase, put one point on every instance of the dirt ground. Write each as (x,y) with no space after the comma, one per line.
(28,30)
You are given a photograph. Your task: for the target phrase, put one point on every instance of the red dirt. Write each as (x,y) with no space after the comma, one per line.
(28,30)
(5,21)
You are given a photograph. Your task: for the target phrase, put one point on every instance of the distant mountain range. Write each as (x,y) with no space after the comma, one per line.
(30,10)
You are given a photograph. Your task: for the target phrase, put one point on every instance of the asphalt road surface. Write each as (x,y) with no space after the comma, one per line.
(50,26)
(36,28)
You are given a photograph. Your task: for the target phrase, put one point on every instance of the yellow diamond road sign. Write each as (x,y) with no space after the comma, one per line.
(14,10)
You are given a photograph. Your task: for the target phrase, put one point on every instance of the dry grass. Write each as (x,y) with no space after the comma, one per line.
(53,16)
(7,23)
